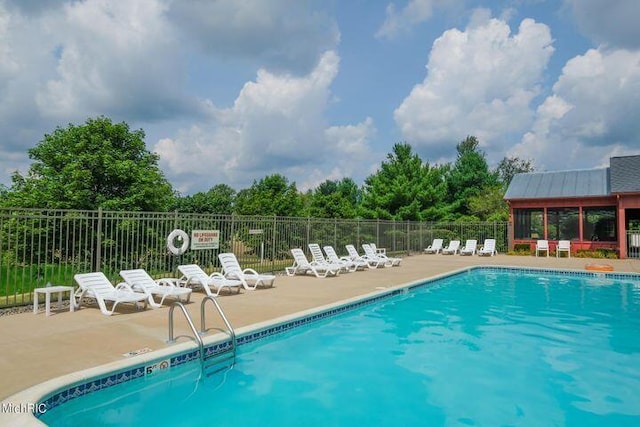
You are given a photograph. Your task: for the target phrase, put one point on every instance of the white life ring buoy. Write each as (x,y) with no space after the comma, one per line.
(181,236)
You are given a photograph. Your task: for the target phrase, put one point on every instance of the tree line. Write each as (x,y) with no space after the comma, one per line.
(101,164)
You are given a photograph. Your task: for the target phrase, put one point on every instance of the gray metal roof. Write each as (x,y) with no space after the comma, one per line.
(625,174)
(576,183)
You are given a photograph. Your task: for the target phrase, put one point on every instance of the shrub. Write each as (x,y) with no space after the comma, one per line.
(521,249)
(606,253)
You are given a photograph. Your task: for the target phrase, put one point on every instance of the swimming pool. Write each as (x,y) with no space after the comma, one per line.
(488,346)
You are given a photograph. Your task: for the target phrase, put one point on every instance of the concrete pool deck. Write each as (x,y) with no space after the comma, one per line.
(35,348)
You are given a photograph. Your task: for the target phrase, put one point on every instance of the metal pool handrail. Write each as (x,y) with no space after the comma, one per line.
(203,327)
(191,325)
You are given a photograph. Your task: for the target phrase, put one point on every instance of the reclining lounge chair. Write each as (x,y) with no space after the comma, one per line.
(352,265)
(452,248)
(97,286)
(469,247)
(489,248)
(249,277)
(319,259)
(388,261)
(434,247)
(301,265)
(194,276)
(140,281)
(371,262)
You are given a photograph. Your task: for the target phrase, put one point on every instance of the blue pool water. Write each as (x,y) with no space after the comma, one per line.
(483,348)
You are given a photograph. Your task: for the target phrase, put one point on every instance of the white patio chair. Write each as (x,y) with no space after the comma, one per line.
(388,261)
(542,246)
(469,247)
(140,281)
(194,277)
(435,247)
(382,251)
(563,246)
(318,258)
(489,248)
(350,264)
(301,265)
(452,248)
(356,257)
(97,286)
(249,277)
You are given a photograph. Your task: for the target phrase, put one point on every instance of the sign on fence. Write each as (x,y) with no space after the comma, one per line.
(205,239)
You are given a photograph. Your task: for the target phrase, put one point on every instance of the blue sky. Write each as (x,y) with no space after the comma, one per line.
(229,91)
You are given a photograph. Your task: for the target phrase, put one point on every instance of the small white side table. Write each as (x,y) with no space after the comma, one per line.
(47,299)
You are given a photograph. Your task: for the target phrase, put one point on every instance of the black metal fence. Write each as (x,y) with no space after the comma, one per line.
(50,246)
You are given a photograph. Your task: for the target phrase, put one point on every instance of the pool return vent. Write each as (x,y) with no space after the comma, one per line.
(214,360)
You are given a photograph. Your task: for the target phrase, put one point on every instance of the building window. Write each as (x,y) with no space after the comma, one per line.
(599,224)
(562,224)
(528,224)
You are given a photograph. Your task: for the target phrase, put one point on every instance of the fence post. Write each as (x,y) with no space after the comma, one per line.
(233,233)
(308,233)
(98,260)
(273,243)
(408,238)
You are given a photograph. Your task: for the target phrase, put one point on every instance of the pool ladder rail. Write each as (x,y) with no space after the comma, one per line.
(214,360)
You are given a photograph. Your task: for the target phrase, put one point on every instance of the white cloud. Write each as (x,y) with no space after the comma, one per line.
(66,61)
(276,125)
(116,58)
(479,82)
(591,113)
(283,34)
(8,65)
(614,23)
(414,13)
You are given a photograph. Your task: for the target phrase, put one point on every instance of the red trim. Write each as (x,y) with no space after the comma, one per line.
(621,201)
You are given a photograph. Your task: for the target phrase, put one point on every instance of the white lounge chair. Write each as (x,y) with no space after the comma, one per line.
(352,265)
(318,258)
(194,277)
(489,248)
(452,248)
(301,265)
(356,257)
(563,246)
(97,286)
(249,277)
(434,247)
(382,251)
(469,247)
(542,246)
(388,261)
(140,281)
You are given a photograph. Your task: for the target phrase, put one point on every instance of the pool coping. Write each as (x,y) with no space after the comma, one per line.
(23,408)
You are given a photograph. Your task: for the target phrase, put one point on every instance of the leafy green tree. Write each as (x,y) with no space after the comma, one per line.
(509,166)
(272,195)
(404,188)
(334,199)
(218,200)
(489,205)
(469,176)
(96,165)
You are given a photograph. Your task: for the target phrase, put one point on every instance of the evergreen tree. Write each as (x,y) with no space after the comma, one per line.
(404,188)
(468,177)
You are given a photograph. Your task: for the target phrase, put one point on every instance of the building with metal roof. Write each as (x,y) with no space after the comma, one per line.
(592,208)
